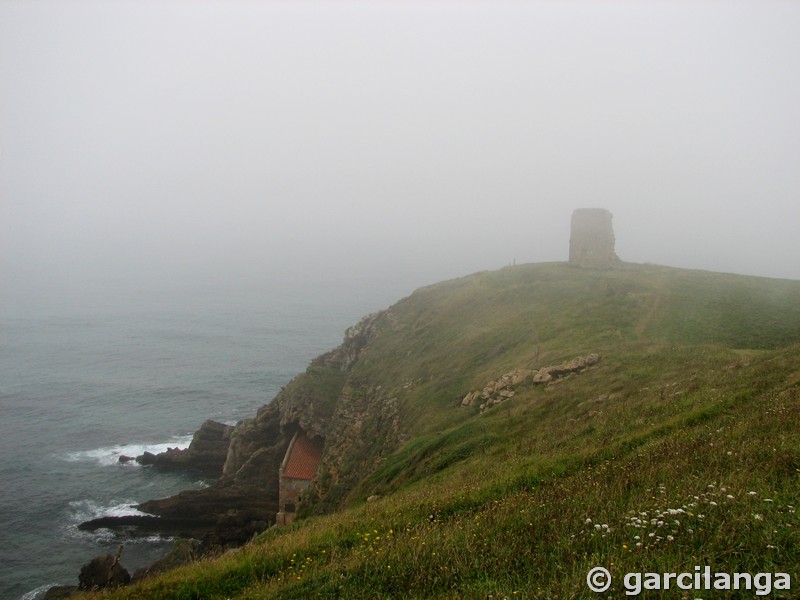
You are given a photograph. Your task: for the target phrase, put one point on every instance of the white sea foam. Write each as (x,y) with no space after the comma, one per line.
(39,592)
(80,511)
(110,455)
(85,510)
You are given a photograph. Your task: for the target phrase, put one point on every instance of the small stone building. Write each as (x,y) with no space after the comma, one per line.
(591,242)
(296,472)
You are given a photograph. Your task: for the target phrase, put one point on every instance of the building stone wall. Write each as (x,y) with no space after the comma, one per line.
(290,494)
(591,243)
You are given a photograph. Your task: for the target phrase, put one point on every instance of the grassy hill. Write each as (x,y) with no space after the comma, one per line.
(681,447)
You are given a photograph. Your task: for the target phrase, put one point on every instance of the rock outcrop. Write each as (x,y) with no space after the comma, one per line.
(103,572)
(206,453)
(501,389)
(245,458)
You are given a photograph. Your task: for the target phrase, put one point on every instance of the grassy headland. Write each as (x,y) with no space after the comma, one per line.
(680,448)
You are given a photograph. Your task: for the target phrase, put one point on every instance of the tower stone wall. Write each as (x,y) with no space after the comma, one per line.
(591,242)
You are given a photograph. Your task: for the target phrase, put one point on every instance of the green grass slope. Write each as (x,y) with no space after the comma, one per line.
(680,448)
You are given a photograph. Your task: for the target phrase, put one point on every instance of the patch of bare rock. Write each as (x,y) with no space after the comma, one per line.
(497,391)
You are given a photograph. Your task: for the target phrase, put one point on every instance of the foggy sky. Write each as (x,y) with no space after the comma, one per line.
(245,140)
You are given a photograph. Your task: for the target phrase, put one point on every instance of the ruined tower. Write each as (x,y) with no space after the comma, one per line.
(591,242)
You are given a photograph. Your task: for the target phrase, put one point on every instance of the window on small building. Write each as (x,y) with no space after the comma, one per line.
(289,507)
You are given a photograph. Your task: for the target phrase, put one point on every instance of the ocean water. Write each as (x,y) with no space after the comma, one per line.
(88,377)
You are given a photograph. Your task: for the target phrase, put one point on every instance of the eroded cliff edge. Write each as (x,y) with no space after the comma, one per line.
(357,421)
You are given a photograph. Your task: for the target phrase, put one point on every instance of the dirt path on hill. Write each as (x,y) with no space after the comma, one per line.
(647,318)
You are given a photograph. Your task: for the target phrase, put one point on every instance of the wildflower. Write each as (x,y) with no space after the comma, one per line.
(751,493)
(758,517)
(670,538)
(712,503)
(729,497)
(588,521)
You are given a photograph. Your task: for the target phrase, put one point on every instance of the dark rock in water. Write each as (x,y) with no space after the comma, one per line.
(102,572)
(206,453)
(226,515)
(126,459)
(240,504)
(146,525)
(60,592)
(148,458)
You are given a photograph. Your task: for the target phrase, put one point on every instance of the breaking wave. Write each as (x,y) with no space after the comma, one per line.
(110,455)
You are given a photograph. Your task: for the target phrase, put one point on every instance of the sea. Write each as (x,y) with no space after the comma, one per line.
(92,374)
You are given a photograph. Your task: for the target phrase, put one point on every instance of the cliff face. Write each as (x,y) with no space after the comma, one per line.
(358,422)
(323,402)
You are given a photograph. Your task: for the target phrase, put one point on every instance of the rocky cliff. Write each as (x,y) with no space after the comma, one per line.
(358,422)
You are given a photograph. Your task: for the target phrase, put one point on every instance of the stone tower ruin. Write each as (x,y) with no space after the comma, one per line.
(591,242)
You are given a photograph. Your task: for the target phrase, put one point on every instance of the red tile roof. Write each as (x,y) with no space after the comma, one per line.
(304,456)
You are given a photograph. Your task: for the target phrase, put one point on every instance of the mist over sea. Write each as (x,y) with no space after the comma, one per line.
(90,374)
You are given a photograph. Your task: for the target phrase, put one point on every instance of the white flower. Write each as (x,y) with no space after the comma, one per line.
(729,497)
(758,517)
(588,521)
(670,538)
(751,493)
